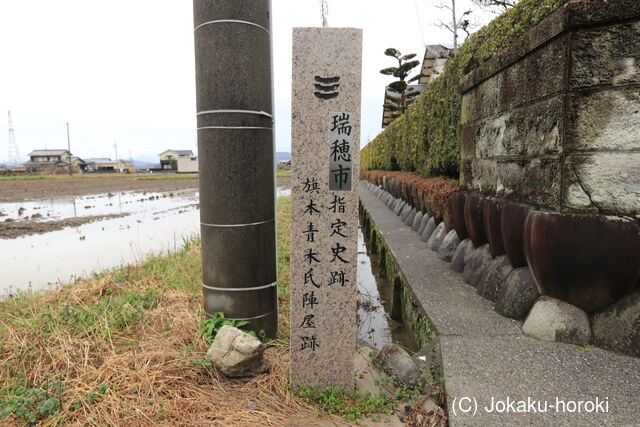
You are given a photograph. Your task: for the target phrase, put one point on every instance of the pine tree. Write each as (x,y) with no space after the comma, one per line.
(398,104)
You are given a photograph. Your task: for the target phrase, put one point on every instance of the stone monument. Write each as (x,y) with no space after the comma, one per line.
(325,134)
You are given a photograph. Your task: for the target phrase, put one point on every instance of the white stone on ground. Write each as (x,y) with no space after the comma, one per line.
(235,353)
(553,320)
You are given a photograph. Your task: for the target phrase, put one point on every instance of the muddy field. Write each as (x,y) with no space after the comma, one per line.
(19,190)
(11,229)
(33,220)
(35,189)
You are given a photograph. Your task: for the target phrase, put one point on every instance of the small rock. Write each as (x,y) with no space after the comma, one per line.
(367,377)
(437,237)
(448,246)
(428,230)
(235,353)
(480,257)
(423,223)
(428,404)
(553,320)
(494,276)
(399,363)
(416,221)
(409,218)
(461,256)
(517,295)
(406,213)
(617,327)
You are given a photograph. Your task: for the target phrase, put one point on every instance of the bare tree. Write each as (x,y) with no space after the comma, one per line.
(502,5)
(457,23)
(324,10)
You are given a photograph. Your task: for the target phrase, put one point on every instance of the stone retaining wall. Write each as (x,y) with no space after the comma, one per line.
(550,170)
(554,120)
(486,243)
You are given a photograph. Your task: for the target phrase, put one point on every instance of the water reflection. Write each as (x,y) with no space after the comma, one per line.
(156,222)
(374,324)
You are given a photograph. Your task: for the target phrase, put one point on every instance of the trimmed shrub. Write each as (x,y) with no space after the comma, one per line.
(429,195)
(425,139)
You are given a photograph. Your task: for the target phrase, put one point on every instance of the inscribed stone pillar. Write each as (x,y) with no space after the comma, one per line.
(325,134)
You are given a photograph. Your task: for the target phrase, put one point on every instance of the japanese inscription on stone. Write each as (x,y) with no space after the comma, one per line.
(325,145)
(341,149)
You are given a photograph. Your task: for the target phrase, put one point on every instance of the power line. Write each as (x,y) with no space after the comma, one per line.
(324,10)
(415,3)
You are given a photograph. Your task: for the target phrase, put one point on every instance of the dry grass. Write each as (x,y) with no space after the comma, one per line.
(125,349)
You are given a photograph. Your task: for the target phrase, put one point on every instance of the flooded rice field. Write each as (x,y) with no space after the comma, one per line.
(48,241)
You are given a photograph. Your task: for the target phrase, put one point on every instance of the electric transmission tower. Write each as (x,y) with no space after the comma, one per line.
(14,154)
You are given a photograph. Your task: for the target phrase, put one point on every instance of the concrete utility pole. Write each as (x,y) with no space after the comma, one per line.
(235,148)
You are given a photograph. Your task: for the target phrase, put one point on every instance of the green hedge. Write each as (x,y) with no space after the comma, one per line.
(425,139)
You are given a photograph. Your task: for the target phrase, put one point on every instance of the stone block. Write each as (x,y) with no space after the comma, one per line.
(534,130)
(618,326)
(535,181)
(466,172)
(540,73)
(606,55)
(483,100)
(603,182)
(483,176)
(583,13)
(468,136)
(605,120)
(517,294)
(448,246)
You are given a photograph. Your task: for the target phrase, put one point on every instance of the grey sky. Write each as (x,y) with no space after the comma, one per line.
(123,71)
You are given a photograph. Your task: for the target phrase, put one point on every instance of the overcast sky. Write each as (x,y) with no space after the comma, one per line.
(122,71)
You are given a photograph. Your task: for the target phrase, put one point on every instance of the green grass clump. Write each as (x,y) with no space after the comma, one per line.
(124,347)
(352,407)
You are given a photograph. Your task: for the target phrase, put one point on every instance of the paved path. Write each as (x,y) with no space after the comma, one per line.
(485,355)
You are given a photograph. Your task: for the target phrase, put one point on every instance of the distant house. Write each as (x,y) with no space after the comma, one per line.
(106,165)
(53,161)
(435,56)
(187,164)
(169,158)
(284,165)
